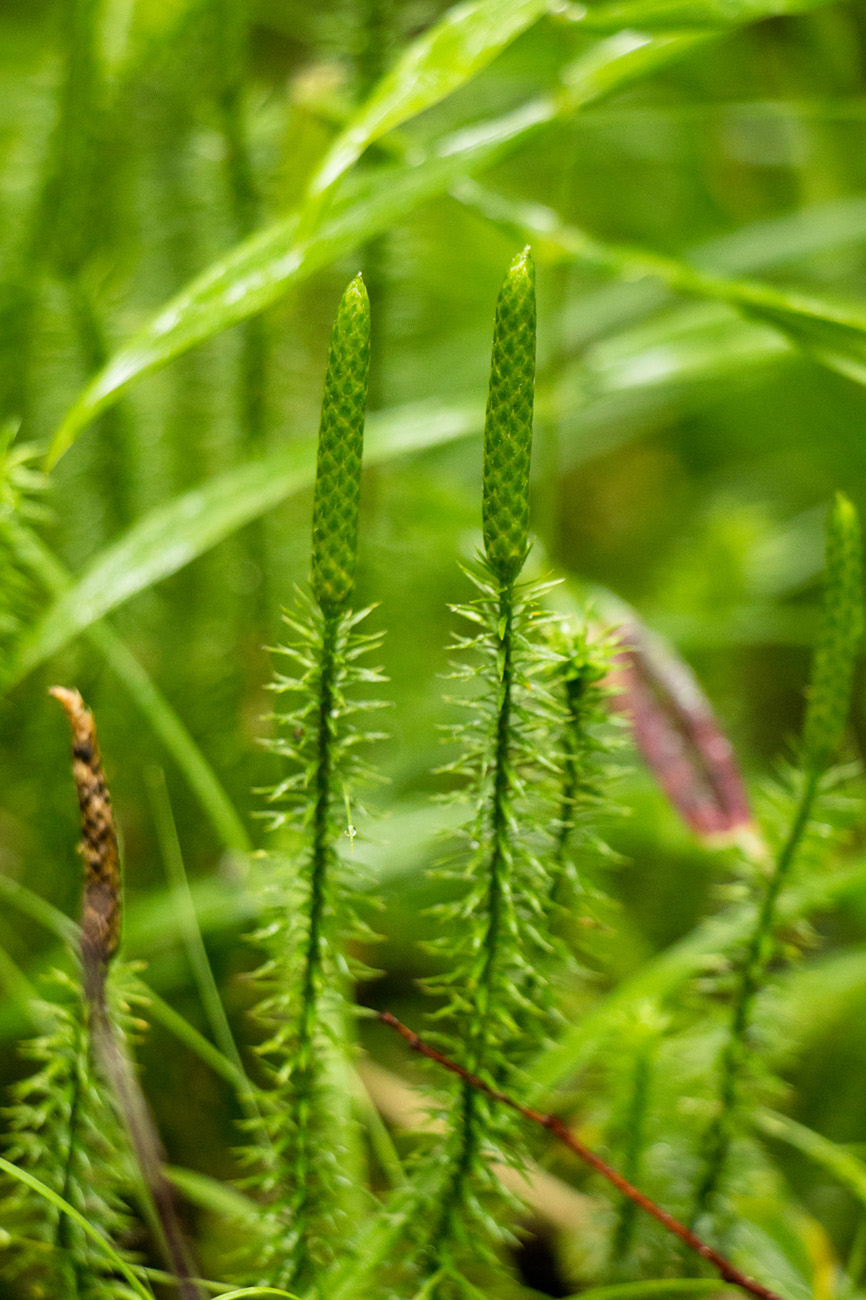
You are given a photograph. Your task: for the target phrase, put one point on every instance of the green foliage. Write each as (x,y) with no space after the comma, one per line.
(841,633)
(826,715)
(690,176)
(62,1130)
(306,1004)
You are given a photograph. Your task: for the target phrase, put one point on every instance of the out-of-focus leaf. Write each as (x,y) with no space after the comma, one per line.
(678,735)
(176,533)
(132,31)
(671,1286)
(161,717)
(257,272)
(663,974)
(649,15)
(833,333)
(834,1159)
(433,67)
(102,1243)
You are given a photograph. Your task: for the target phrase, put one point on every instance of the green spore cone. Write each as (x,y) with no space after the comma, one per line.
(839,641)
(508,423)
(341,444)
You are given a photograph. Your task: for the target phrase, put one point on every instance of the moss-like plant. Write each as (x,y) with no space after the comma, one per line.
(532,766)
(310,909)
(62,1130)
(823,730)
(525,790)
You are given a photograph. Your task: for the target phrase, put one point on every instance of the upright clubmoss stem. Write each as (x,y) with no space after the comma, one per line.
(823,729)
(306,1065)
(306,974)
(723,1128)
(489,1000)
(488,975)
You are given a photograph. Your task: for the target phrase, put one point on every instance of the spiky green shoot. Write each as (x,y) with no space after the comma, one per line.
(62,1129)
(826,716)
(306,972)
(493,938)
(839,641)
(508,423)
(341,444)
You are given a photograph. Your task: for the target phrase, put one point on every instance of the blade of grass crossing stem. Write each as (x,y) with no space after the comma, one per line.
(199,961)
(162,719)
(215,1196)
(660,977)
(177,1025)
(259,271)
(174,534)
(848,1169)
(48,1194)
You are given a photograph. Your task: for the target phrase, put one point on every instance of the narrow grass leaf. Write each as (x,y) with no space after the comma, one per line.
(155,708)
(439,62)
(674,1286)
(23,1176)
(257,272)
(649,15)
(847,1168)
(663,974)
(834,333)
(181,530)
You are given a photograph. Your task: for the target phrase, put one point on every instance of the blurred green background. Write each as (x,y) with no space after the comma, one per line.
(688,436)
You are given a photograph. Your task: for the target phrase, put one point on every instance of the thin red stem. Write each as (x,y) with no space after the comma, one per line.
(726,1270)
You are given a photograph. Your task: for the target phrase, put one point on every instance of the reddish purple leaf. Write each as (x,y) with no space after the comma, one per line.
(677,733)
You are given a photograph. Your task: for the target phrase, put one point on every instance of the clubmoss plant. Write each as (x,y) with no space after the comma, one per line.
(495,992)
(61,1129)
(306,971)
(823,731)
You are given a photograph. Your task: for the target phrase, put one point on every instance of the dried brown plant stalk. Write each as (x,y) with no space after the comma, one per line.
(101,907)
(726,1270)
(100,938)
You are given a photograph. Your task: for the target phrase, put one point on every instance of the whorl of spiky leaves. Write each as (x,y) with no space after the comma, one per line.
(341,444)
(20,488)
(494,934)
(508,423)
(61,1128)
(839,641)
(586,740)
(309,911)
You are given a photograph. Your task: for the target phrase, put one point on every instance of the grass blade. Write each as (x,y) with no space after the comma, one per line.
(161,717)
(834,333)
(433,67)
(257,272)
(23,1176)
(176,533)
